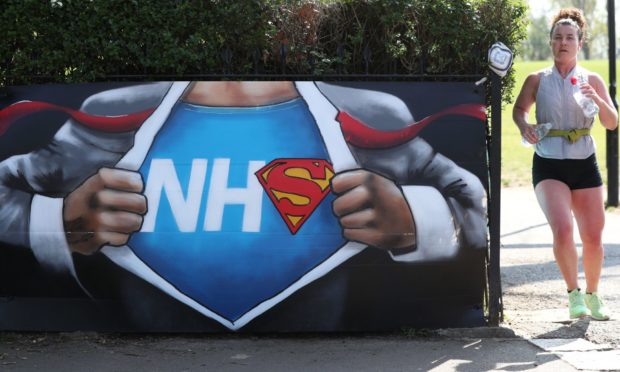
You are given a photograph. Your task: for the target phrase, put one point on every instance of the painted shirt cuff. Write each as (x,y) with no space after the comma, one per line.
(47,235)
(435,230)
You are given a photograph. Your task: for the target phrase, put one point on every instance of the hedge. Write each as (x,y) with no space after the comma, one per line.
(101,40)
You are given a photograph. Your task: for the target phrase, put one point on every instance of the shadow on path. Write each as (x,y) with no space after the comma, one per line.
(524,230)
(270,352)
(568,329)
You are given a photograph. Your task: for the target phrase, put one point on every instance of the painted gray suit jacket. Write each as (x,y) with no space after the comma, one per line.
(448,203)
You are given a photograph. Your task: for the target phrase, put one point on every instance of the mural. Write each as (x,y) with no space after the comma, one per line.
(257,205)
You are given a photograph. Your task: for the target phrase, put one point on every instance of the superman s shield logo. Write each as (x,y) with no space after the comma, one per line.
(296,187)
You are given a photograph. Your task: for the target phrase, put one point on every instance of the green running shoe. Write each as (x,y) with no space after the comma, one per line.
(576,305)
(596,306)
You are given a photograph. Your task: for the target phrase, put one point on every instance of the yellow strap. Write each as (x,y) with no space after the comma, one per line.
(571,135)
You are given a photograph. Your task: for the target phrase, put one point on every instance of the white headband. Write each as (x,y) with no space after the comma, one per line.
(567,21)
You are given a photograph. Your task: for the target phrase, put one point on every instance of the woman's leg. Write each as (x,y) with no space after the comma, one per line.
(554,198)
(590,216)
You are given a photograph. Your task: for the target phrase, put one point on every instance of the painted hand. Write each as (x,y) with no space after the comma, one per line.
(373,210)
(104,210)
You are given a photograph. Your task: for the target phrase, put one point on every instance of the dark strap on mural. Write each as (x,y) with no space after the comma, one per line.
(120,123)
(361,135)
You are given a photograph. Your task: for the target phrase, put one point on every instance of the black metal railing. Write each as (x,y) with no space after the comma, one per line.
(280,64)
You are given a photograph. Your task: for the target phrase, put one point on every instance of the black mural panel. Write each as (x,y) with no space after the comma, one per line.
(242,206)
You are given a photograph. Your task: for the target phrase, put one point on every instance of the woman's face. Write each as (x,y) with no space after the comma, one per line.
(565,43)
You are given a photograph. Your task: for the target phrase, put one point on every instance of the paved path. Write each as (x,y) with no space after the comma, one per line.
(93,352)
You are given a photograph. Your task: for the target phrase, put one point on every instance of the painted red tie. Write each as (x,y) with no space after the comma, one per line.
(120,123)
(355,131)
(361,135)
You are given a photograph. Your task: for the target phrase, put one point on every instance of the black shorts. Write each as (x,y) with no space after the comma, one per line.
(575,173)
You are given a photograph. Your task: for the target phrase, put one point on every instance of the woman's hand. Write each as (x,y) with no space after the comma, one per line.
(596,89)
(528,132)
(589,91)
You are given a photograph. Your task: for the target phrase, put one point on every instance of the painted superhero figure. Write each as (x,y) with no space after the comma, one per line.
(176,184)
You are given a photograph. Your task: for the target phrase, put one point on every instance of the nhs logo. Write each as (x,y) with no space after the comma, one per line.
(186,203)
(228,234)
(239,208)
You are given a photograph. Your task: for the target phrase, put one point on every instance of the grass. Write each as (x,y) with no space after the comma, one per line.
(516,158)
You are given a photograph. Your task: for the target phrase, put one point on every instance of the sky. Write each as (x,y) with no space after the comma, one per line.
(540,7)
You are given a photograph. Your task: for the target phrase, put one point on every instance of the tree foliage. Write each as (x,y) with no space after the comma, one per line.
(536,47)
(81,41)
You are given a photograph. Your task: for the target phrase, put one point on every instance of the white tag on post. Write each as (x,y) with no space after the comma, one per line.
(500,58)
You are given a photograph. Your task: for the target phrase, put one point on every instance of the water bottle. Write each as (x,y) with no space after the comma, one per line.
(541,131)
(590,109)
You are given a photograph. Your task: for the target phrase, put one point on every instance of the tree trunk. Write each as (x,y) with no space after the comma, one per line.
(586,51)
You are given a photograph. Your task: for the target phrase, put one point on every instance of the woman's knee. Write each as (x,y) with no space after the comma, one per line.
(592,240)
(591,231)
(562,231)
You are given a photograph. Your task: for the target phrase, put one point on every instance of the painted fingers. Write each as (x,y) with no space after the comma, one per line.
(373,210)
(105,210)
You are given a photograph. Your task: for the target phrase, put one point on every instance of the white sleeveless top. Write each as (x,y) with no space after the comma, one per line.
(555,104)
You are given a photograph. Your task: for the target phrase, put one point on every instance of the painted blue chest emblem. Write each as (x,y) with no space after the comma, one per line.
(211,230)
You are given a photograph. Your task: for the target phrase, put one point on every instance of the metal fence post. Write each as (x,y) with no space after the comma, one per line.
(366,56)
(256,57)
(227,56)
(340,55)
(495,160)
(612,135)
(283,54)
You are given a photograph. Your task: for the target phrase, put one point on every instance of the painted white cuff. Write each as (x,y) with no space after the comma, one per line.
(435,231)
(47,235)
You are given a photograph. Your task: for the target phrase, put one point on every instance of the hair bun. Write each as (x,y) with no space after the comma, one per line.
(576,15)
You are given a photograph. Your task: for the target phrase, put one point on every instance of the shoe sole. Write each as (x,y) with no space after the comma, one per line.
(580,316)
(600,319)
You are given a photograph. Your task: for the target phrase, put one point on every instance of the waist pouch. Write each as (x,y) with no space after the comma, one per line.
(572,135)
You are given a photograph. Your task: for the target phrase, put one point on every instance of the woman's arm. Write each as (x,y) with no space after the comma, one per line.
(598,92)
(525,100)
